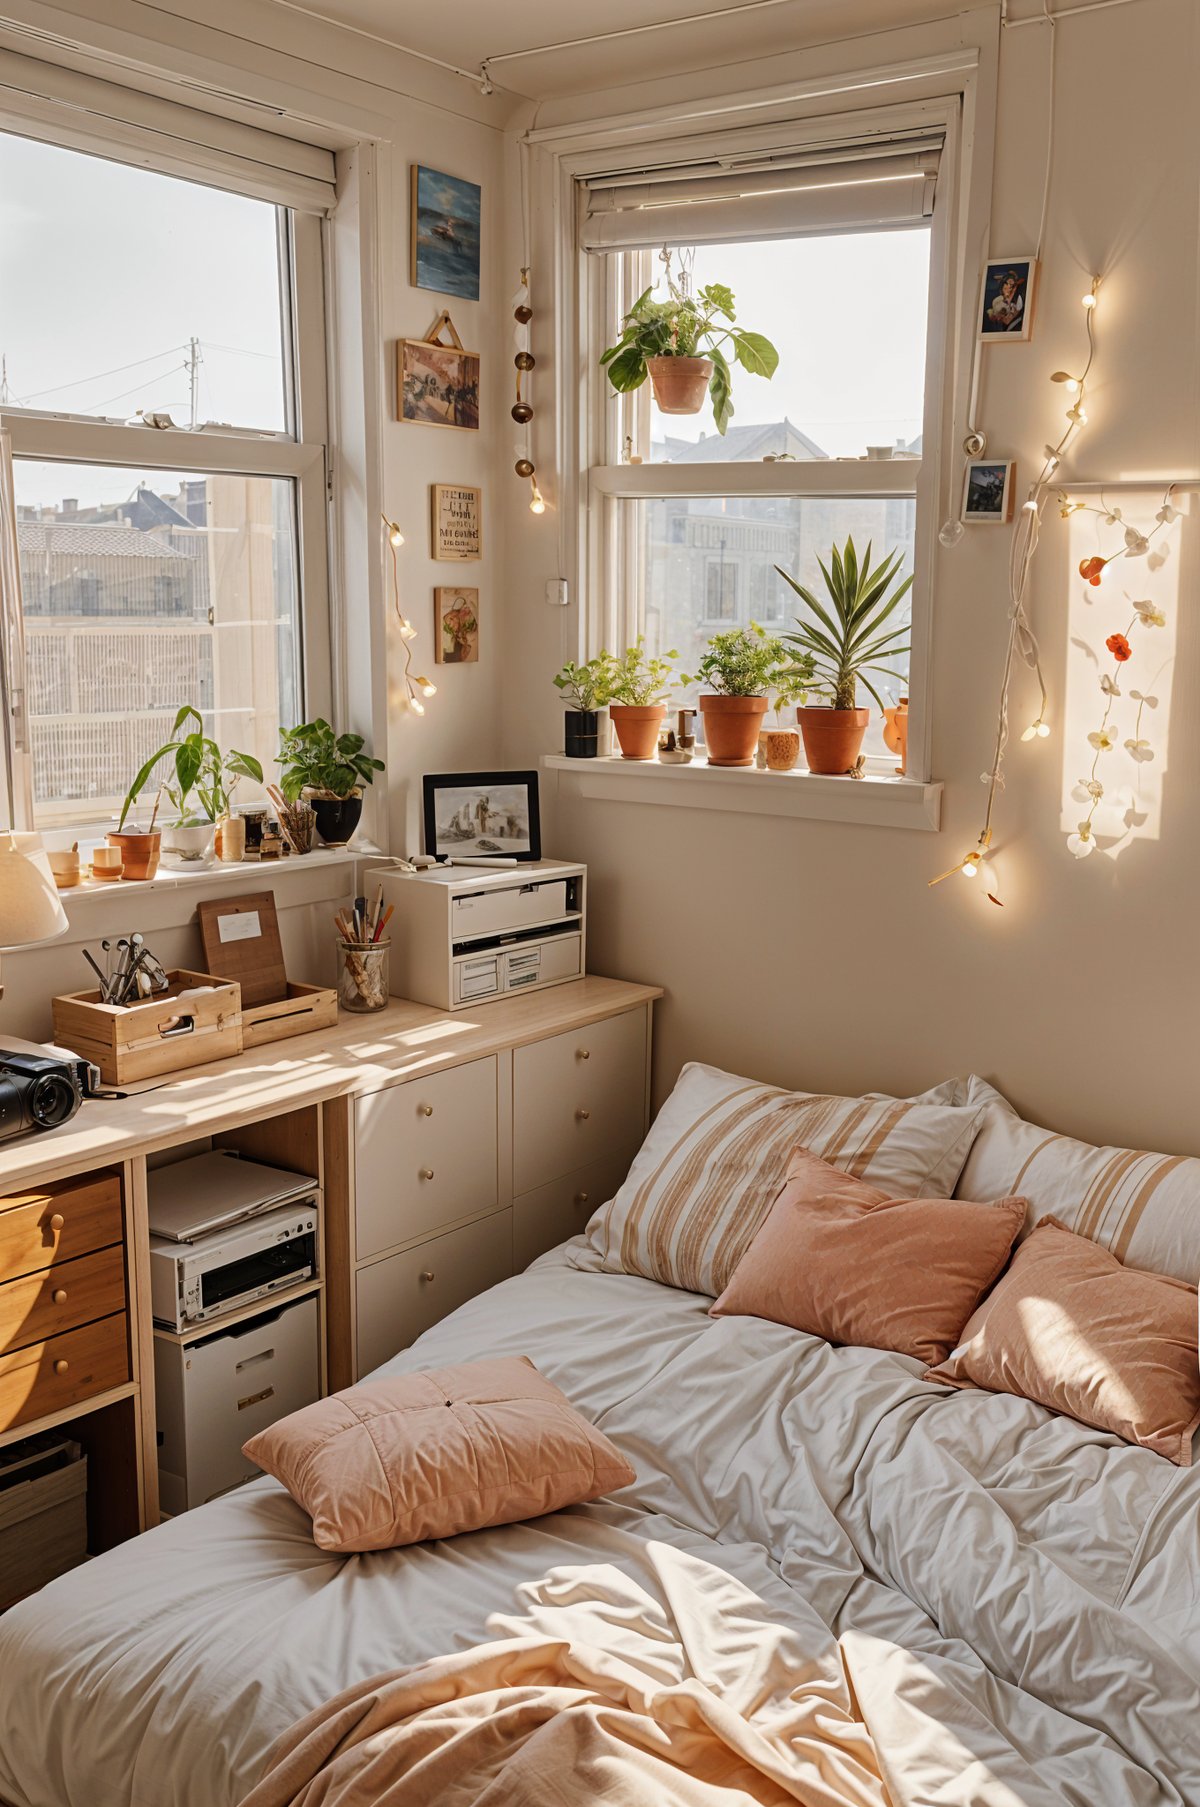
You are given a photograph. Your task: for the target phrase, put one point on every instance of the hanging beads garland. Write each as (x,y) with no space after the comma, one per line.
(416,688)
(522,410)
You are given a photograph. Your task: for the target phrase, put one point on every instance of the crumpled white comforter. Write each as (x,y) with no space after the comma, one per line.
(1006,1600)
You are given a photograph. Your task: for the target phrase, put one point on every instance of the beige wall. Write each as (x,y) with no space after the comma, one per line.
(814,954)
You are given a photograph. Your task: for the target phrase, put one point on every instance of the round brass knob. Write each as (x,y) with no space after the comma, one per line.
(428,1274)
(426,1110)
(59,1295)
(426,1173)
(581,1198)
(61,1366)
(57,1221)
(583,1053)
(582,1115)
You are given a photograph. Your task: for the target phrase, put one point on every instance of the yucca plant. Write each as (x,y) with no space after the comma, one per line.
(846,640)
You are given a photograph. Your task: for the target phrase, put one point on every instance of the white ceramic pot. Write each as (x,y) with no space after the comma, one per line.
(190,847)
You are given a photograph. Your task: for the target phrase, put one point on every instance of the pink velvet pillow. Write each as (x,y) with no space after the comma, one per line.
(1074,1330)
(843,1261)
(426,1455)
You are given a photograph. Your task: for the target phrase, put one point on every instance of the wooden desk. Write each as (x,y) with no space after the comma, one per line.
(292,1103)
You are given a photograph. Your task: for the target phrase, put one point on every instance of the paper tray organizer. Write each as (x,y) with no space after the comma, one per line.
(142,1041)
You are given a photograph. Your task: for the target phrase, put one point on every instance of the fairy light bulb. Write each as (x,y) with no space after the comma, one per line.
(970,865)
(950,533)
(1089,301)
(537,503)
(407,630)
(395,535)
(416,705)
(1042,730)
(425,687)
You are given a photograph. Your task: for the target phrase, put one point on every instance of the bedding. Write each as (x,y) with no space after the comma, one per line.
(995,1606)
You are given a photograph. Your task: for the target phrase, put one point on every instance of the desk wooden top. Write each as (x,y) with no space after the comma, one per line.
(361,1054)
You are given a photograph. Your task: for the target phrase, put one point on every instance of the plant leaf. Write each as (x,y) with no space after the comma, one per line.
(720,389)
(755,353)
(628,369)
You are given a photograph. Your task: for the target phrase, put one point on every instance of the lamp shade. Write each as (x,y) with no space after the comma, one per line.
(30,908)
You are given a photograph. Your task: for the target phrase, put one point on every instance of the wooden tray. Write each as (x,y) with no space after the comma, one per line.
(306,1007)
(144,1040)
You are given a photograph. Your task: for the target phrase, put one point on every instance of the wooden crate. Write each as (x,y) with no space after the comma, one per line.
(142,1041)
(43,1525)
(306,1007)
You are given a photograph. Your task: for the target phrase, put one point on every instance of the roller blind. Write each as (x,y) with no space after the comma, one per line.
(84,112)
(842,188)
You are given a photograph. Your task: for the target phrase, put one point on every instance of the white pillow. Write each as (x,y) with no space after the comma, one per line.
(717,1155)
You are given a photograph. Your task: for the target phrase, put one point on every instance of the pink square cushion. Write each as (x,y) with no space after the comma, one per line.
(415,1456)
(1073,1329)
(843,1261)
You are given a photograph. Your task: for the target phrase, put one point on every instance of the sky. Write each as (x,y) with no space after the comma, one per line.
(104,266)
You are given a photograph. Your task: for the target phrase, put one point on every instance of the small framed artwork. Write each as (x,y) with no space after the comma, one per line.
(456,521)
(457,612)
(444,233)
(988,495)
(1007,298)
(437,385)
(477,814)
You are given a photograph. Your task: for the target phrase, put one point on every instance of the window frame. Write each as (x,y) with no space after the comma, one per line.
(300,455)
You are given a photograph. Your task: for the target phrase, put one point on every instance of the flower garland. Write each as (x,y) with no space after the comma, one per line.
(1102,740)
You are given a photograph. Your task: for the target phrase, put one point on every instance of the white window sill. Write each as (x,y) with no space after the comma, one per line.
(876,801)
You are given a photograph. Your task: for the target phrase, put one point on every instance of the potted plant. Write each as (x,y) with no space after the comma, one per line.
(205,779)
(330,770)
(583,685)
(680,344)
(739,669)
(846,640)
(635,685)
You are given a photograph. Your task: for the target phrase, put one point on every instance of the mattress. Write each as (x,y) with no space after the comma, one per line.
(1009,1598)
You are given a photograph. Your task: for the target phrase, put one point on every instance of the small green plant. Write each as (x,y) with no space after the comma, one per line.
(583,685)
(313,757)
(200,768)
(846,639)
(633,677)
(688,326)
(747,661)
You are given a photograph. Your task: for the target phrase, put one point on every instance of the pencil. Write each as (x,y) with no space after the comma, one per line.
(382,924)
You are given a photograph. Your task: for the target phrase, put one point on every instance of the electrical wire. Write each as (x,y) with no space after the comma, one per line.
(83,381)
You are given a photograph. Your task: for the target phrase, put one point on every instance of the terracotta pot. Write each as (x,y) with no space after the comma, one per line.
(636,727)
(833,738)
(731,725)
(782,748)
(680,384)
(139,852)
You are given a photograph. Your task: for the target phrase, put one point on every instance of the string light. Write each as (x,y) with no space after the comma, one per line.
(395,537)
(415,687)
(537,503)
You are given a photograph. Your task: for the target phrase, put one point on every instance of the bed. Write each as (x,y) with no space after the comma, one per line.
(976,1603)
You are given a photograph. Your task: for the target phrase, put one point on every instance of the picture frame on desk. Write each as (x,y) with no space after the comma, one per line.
(482,815)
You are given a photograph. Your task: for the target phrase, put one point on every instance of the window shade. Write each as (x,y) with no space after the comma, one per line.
(846,188)
(84,112)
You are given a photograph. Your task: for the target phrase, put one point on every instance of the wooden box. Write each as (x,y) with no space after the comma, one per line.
(306,1007)
(43,1518)
(142,1041)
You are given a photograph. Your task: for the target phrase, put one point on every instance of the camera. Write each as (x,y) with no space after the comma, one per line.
(41,1091)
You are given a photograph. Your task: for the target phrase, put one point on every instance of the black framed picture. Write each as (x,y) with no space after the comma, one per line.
(482,815)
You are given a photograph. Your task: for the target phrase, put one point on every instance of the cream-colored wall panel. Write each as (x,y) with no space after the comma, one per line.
(425,1155)
(404,1294)
(578,1096)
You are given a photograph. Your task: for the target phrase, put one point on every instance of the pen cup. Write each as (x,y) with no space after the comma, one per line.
(363,974)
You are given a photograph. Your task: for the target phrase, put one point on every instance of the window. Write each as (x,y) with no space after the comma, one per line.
(177,562)
(829,254)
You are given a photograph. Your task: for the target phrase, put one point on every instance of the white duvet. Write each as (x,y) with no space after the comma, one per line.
(1007,1601)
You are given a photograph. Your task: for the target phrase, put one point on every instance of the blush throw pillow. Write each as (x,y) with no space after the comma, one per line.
(717,1154)
(842,1260)
(416,1456)
(1072,1329)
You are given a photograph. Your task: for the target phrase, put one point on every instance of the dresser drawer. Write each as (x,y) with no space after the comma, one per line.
(578,1097)
(550,1214)
(63,1371)
(424,1155)
(402,1295)
(41,1306)
(58,1223)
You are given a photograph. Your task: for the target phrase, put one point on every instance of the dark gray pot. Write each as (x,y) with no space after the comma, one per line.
(337,818)
(581,733)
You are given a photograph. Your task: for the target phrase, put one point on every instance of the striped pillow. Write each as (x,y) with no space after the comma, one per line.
(717,1155)
(1145,1208)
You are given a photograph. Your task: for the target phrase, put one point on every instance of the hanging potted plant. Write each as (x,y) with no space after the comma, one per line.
(330,770)
(681,344)
(205,779)
(635,687)
(846,640)
(584,686)
(739,669)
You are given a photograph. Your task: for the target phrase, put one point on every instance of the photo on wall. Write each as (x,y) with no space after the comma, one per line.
(457,613)
(438,384)
(1009,293)
(988,496)
(444,233)
(480,814)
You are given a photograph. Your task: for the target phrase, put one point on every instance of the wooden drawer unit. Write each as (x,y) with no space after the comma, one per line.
(38,1307)
(63,1371)
(58,1223)
(402,1295)
(577,1097)
(550,1214)
(425,1155)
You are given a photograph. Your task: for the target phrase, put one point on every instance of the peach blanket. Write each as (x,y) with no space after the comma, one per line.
(540,1723)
